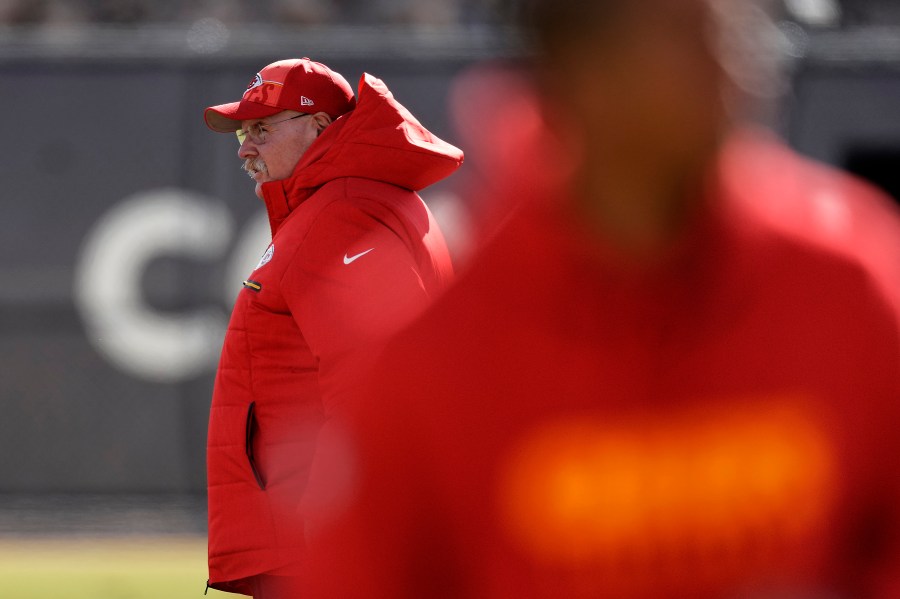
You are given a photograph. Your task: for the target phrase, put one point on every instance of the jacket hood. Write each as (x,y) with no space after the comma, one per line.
(379,140)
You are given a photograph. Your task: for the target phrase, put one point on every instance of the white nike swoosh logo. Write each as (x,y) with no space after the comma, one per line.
(356,257)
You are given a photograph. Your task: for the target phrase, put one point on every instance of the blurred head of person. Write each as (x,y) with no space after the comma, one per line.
(641,95)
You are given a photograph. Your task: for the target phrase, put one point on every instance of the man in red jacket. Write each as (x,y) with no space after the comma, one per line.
(640,388)
(355,253)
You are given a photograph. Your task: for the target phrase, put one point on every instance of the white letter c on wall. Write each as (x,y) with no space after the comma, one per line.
(147,343)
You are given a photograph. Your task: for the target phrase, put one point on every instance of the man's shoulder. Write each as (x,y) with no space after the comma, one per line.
(816,205)
(358,194)
(832,262)
(357,206)
(342,198)
(362,187)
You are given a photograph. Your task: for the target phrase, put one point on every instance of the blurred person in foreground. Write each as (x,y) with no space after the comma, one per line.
(640,387)
(355,253)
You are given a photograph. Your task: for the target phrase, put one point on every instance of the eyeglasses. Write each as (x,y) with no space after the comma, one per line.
(257,132)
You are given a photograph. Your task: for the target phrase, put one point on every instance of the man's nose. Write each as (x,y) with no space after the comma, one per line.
(247,149)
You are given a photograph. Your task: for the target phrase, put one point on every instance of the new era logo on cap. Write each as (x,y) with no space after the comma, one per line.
(304,101)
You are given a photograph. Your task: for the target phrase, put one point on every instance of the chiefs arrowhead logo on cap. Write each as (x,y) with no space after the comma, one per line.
(255,82)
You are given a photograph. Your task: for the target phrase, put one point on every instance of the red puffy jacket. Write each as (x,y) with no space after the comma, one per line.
(355,253)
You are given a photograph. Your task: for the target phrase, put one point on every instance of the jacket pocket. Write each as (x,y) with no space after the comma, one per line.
(252,429)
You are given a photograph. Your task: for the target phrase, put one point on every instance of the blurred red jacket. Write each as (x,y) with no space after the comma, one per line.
(722,423)
(355,253)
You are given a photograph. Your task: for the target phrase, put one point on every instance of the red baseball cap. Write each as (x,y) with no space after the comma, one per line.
(294,84)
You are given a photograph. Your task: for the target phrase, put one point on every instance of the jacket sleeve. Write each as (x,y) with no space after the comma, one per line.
(352,283)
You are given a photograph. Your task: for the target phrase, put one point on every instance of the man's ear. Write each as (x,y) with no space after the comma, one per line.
(322,120)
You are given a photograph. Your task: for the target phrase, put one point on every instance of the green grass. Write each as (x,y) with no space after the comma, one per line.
(113,568)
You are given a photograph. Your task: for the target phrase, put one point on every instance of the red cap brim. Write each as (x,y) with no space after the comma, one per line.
(226,118)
